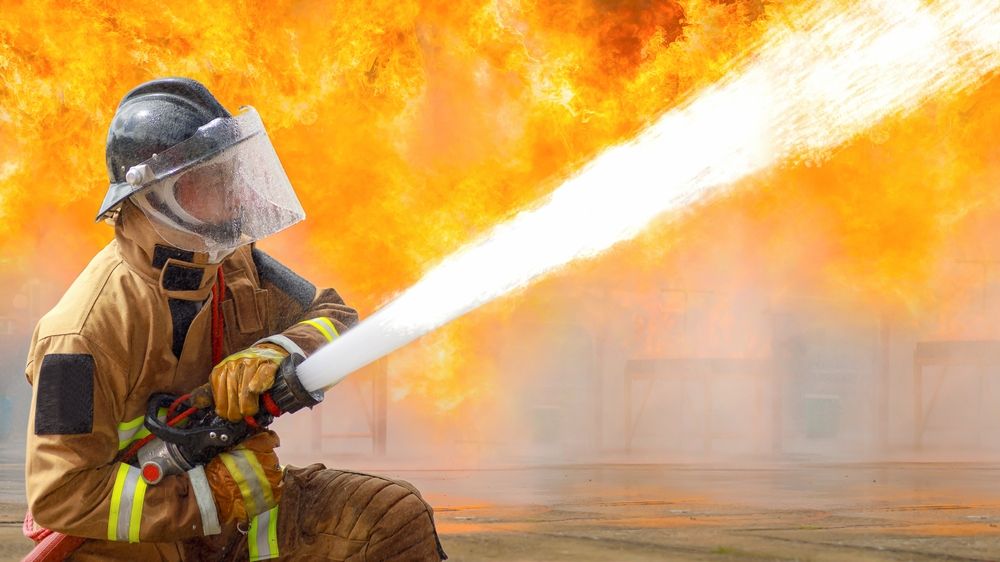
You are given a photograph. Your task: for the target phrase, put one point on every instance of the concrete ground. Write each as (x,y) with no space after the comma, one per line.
(658,512)
(628,512)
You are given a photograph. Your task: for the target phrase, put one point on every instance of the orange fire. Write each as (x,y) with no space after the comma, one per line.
(409,127)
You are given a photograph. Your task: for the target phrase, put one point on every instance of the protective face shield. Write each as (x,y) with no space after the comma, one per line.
(220,189)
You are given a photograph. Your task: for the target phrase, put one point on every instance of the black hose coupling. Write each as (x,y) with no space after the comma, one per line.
(287,393)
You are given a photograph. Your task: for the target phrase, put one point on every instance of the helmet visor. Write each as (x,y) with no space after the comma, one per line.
(218,190)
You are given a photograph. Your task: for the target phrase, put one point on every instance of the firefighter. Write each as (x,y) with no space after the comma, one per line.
(192,188)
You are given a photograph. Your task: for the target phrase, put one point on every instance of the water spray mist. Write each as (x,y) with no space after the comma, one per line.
(811,85)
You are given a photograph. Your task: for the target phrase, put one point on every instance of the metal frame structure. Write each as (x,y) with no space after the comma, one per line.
(981,355)
(701,369)
(375,409)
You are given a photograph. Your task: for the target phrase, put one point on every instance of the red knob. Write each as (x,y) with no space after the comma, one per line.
(151,472)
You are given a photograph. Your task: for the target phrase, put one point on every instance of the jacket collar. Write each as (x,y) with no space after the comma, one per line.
(179,274)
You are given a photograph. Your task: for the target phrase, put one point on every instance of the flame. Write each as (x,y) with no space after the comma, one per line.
(409,128)
(864,64)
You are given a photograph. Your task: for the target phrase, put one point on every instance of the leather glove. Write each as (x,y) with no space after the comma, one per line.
(238,380)
(235,483)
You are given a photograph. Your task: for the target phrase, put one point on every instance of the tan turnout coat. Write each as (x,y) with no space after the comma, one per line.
(138,321)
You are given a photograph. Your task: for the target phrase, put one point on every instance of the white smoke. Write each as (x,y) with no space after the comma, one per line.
(825,77)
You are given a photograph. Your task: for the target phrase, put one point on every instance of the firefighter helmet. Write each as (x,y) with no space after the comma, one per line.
(208,181)
(151,118)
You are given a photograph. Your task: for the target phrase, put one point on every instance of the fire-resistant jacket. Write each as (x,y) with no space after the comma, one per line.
(137,321)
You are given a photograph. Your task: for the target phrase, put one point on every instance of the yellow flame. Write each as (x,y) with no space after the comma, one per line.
(410,127)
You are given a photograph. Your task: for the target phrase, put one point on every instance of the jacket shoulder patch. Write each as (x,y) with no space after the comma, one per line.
(65,401)
(287,281)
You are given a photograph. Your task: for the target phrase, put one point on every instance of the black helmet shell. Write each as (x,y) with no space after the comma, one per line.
(150,119)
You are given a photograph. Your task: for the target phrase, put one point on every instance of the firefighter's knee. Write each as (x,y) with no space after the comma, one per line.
(359,517)
(405,528)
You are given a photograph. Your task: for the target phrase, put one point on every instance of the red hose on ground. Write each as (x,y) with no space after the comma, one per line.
(51,546)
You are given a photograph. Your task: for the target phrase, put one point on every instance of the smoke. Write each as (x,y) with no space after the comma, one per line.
(812,87)
(409,128)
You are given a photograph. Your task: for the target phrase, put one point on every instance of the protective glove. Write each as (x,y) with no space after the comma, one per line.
(236,482)
(238,380)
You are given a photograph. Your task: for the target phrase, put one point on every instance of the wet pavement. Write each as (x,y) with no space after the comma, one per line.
(661,512)
(12,544)
(636,512)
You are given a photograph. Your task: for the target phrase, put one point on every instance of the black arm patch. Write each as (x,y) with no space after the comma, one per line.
(65,402)
(286,280)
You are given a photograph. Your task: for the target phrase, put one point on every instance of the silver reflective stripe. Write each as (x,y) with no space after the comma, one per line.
(206,505)
(283,342)
(134,430)
(262,539)
(127,430)
(128,495)
(262,524)
(253,484)
(324,325)
(251,480)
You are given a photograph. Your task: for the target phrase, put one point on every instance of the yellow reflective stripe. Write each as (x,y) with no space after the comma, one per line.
(133,438)
(136,520)
(272,531)
(116,500)
(237,474)
(257,353)
(263,535)
(329,324)
(131,431)
(253,536)
(127,496)
(324,325)
(127,432)
(322,329)
(131,424)
(258,470)
(248,474)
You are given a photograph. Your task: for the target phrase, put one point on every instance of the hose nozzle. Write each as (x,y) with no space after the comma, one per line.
(287,393)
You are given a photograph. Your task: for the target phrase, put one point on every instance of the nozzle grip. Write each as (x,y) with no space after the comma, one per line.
(205,434)
(210,433)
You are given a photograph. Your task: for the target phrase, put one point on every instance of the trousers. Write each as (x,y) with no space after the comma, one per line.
(323,515)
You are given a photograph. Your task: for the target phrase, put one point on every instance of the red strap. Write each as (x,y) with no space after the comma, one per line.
(218,322)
